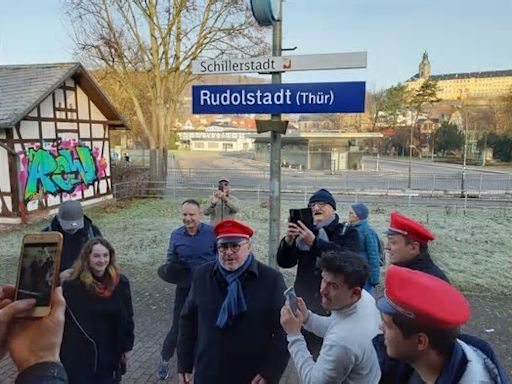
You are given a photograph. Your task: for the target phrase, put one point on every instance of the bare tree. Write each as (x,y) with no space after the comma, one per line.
(158,39)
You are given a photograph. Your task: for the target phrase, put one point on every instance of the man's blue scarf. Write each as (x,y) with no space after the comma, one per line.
(234,303)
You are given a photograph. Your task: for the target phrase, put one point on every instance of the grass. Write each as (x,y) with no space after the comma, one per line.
(472,246)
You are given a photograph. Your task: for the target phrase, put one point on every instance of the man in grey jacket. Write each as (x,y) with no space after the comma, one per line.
(347,354)
(222,205)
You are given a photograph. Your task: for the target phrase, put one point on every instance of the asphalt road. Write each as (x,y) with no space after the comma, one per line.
(202,170)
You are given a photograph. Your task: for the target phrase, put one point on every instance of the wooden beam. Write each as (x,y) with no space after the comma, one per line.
(63,120)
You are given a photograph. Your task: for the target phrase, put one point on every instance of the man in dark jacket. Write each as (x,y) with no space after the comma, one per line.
(421,318)
(407,245)
(302,247)
(76,229)
(229,327)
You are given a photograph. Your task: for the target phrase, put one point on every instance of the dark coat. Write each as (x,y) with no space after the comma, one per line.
(92,353)
(395,371)
(255,343)
(308,278)
(424,263)
(43,373)
(73,243)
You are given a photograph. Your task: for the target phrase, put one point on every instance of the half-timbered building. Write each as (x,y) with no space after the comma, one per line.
(54,138)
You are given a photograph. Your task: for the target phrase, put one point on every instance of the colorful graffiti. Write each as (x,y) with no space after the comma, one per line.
(67,166)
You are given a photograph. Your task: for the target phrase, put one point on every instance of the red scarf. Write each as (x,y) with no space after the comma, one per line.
(104,287)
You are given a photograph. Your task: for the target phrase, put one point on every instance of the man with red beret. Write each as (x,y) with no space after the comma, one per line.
(407,245)
(229,327)
(421,318)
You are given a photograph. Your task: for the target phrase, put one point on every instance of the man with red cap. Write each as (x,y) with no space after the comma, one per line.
(407,245)
(421,318)
(229,327)
(222,205)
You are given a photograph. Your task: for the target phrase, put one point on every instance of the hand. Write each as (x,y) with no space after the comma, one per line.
(65,275)
(34,340)
(305,233)
(217,196)
(185,378)
(8,311)
(291,233)
(258,379)
(126,356)
(290,323)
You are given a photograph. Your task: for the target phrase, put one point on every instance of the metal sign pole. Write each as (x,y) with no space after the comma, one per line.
(275,157)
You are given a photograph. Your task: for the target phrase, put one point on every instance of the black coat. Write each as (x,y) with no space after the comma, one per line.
(424,263)
(92,351)
(308,278)
(73,243)
(255,343)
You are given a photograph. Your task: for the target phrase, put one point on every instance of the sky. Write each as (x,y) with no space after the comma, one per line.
(459,35)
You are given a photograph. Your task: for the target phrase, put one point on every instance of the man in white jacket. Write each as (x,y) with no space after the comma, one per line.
(347,354)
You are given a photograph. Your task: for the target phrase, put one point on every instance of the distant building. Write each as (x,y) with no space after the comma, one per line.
(317,151)
(55,125)
(471,85)
(217,138)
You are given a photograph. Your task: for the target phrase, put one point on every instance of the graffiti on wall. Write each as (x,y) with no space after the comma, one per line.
(64,166)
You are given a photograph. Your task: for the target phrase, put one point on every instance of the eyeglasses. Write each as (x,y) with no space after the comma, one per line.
(234,247)
(319,204)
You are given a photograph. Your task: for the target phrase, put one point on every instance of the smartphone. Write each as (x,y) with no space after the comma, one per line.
(303,214)
(290,295)
(221,187)
(38,270)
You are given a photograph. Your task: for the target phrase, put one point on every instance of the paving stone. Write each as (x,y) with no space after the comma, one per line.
(152,299)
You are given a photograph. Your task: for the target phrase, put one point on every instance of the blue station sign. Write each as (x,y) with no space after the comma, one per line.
(341,97)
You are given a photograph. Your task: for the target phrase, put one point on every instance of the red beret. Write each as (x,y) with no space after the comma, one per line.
(424,298)
(402,225)
(232,230)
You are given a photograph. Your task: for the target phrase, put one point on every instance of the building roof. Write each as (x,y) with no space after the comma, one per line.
(24,87)
(467,75)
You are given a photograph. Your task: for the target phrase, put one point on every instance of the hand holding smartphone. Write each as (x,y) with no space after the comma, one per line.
(38,270)
(291,297)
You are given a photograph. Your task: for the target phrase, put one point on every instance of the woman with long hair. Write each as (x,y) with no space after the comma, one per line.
(98,333)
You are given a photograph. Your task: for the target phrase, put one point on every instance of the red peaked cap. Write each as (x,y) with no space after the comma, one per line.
(232,231)
(402,225)
(424,298)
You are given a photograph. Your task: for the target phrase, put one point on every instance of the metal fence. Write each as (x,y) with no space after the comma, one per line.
(484,189)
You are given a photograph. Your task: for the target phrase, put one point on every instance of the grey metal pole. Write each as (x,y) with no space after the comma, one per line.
(410,159)
(463,179)
(275,156)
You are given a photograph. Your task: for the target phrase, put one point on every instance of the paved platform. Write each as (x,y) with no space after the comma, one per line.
(152,303)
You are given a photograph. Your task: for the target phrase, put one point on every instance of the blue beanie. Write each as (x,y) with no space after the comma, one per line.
(360,210)
(323,196)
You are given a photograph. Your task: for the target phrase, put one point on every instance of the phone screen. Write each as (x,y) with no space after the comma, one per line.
(292,299)
(303,214)
(37,272)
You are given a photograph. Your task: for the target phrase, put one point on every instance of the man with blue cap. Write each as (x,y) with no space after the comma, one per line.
(229,327)
(369,243)
(421,343)
(303,247)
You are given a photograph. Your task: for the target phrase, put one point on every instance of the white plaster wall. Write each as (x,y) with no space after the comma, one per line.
(83,109)
(96,114)
(70,126)
(85,133)
(29,130)
(89,192)
(47,107)
(5,186)
(49,130)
